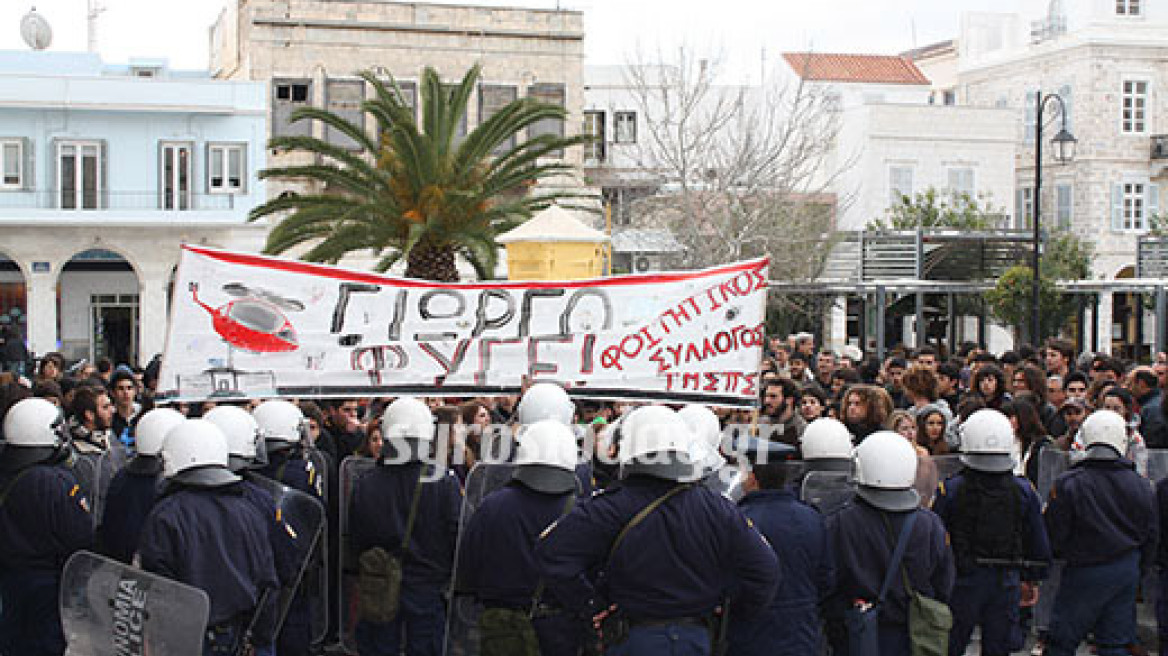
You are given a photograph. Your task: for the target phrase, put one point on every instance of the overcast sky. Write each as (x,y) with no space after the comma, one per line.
(178,29)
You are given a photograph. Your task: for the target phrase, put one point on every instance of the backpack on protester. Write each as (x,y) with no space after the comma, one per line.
(380,573)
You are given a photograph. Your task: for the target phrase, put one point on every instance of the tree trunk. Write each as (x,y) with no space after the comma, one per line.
(430,261)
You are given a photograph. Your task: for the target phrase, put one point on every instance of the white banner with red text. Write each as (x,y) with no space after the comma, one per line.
(249,326)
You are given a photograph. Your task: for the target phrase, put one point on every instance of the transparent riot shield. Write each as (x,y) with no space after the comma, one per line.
(462,622)
(828,491)
(107,466)
(1051,464)
(1157,465)
(931,471)
(305,519)
(352,470)
(109,608)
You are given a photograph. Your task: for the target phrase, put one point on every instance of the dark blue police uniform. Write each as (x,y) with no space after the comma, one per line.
(43,520)
(217,540)
(799,537)
(988,595)
(1102,521)
(1162,567)
(497,562)
(292,468)
(863,549)
(671,571)
(131,495)
(378,512)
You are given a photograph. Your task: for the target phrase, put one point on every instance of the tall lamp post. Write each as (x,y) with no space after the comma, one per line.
(1064,151)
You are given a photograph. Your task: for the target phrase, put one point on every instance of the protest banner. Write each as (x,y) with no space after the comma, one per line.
(245,325)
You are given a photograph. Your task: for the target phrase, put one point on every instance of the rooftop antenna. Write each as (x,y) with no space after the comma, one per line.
(95,10)
(35,30)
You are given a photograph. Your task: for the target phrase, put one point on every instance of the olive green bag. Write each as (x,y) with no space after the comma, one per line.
(380,573)
(929,620)
(507,632)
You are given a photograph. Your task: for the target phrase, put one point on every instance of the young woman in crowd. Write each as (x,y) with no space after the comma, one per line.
(931,425)
(1029,434)
(990,384)
(865,409)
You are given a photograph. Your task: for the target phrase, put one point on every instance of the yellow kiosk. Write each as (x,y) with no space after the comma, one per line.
(554,245)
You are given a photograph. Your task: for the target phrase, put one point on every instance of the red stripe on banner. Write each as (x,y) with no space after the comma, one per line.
(293,266)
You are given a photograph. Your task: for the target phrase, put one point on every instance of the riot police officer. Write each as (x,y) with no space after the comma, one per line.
(44,517)
(408,509)
(712,468)
(282,426)
(671,551)
(547,401)
(497,553)
(995,528)
(826,445)
(134,488)
(1102,521)
(204,531)
(864,535)
(797,534)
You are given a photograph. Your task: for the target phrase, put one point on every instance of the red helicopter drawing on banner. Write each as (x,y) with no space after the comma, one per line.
(255,320)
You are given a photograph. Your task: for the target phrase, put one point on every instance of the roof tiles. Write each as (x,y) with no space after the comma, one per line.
(864,69)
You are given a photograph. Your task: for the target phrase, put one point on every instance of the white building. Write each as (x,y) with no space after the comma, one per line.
(106,171)
(893,141)
(1108,61)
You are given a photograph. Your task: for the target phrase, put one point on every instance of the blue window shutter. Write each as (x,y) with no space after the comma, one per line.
(1151,205)
(1117,207)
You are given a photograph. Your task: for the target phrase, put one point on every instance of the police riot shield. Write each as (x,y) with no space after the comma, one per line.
(931,471)
(352,470)
(462,622)
(303,517)
(1051,464)
(828,491)
(1157,465)
(108,465)
(109,608)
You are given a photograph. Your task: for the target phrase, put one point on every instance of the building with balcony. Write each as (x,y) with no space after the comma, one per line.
(1108,61)
(106,171)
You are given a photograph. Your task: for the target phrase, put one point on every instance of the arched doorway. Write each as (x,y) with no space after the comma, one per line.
(97,296)
(13,306)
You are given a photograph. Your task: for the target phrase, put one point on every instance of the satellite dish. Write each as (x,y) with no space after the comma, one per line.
(36,31)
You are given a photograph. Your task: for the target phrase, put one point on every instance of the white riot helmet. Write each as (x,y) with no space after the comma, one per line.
(545,401)
(655,441)
(242,433)
(280,421)
(34,422)
(886,469)
(827,439)
(707,437)
(407,430)
(547,457)
(987,442)
(152,429)
(1103,428)
(195,453)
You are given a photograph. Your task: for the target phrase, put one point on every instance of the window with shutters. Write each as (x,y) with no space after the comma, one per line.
(1133,202)
(1064,203)
(1024,208)
(1134,108)
(594,127)
(226,168)
(80,170)
(12,163)
(961,181)
(492,98)
(1129,7)
(344,98)
(900,183)
(624,127)
(553,94)
(287,97)
(1031,116)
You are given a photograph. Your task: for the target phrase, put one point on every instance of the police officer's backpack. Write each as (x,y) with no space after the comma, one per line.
(988,526)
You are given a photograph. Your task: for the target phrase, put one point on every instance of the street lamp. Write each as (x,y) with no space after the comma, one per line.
(1064,151)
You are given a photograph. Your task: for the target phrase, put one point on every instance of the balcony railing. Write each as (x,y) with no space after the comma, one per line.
(151,201)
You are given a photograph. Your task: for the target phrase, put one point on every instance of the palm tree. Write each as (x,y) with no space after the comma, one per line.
(419,192)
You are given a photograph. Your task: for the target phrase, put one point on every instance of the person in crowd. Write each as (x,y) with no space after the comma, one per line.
(44,518)
(865,409)
(931,429)
(1029,379)
(904,424)
(864,536)
(1073,413)
(825,366)
(893,378)
(1030,436)
(1145,388)
(1102,521)
(999,541)
(926,356)
(124,390)
(1059,357)
(14,355)
(799,368)
(50,390)
(1009,362)
(805,344)
(949,384)
(1106,368)
(1076,384)
(314,419)
(990,384)
(812,404)
(841,380)
(91,414)
(798,535)
(779,412)
(1120,401)
(343,434)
